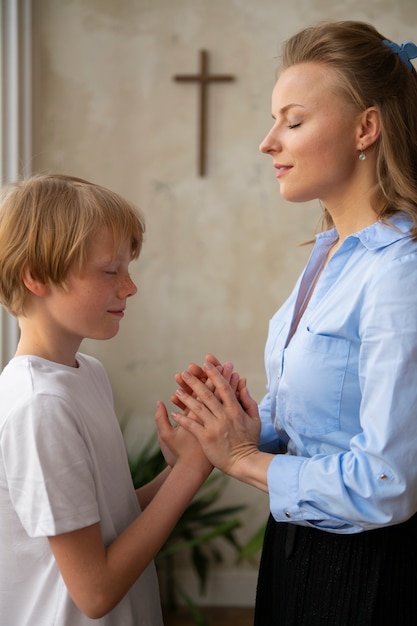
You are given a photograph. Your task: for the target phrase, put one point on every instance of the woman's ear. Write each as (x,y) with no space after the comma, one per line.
(34,285)
(369,128)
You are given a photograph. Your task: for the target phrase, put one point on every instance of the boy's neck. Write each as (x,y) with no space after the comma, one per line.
(34,343)
(43,355)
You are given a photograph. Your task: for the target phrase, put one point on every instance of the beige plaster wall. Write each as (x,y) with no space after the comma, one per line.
(221,252)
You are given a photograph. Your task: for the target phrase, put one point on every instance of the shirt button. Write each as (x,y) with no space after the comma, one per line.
(288,514)
(383,476)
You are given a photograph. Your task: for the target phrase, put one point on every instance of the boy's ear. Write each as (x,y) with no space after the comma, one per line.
(34,285)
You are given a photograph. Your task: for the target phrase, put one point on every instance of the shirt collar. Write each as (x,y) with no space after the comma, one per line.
(377,235)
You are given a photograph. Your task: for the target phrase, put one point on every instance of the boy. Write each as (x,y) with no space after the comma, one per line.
(76,540)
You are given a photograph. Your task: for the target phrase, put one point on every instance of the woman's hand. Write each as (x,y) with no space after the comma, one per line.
(225,421)
(198,372)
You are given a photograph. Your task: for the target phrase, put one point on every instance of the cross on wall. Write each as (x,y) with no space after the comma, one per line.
(204,78)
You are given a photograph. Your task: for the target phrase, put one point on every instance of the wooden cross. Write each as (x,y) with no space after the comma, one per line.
(204,78)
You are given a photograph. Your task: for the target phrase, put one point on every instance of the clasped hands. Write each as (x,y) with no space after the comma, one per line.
(216,407)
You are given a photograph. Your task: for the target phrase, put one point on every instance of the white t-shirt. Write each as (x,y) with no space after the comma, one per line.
(63,466)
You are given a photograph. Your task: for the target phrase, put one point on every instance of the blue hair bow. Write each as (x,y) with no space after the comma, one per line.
(405,51)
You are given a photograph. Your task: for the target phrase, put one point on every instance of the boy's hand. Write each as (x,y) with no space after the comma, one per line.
(178,445)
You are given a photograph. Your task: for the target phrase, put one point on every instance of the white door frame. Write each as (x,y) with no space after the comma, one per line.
(15,120)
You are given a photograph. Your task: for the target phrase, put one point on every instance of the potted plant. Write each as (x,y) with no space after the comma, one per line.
(196,532)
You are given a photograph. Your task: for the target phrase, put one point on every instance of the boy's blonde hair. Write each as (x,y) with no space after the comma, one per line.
(47,223)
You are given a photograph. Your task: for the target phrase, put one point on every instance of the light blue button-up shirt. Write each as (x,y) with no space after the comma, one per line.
(342,393)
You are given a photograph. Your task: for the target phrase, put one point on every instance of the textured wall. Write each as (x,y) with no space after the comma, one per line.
(221,252)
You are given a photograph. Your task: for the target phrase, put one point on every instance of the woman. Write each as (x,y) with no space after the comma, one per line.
(340,547)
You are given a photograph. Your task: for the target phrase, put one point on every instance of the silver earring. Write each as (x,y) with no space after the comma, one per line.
(362,156)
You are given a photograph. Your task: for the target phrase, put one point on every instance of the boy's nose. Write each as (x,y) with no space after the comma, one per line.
(128,287)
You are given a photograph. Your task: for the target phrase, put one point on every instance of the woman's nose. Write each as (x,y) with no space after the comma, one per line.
(269,143)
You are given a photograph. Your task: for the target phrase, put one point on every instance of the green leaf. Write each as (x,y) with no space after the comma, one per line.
(201,566)
(168,550)
(197,531)
(198,616)
(254,545)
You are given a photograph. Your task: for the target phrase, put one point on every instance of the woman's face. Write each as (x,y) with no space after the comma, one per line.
(314,139)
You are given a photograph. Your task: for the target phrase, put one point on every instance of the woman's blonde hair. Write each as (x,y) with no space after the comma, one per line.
(47,223)
(369,74)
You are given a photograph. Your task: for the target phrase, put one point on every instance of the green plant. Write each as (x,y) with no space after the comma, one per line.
(253,546)
(196,531)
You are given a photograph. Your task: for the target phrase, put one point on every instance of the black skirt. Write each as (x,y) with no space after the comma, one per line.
(309,577)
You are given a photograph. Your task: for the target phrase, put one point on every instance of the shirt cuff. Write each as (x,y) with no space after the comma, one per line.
(283,479)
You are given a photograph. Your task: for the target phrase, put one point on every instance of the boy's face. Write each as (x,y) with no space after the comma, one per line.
(94,300)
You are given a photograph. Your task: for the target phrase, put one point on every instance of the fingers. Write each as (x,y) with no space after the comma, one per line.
(210,358)
(224,393)
(248,403)
(161,413)
(234,381)
(197,371)
(201,405)
(226,382)
(200,373)
(163,423)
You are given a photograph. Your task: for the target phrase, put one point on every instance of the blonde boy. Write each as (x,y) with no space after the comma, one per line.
(76,540)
